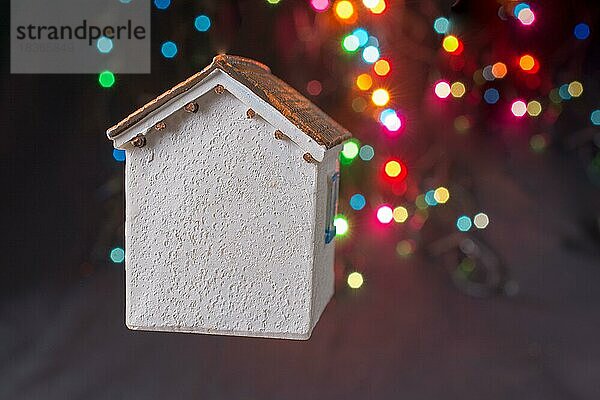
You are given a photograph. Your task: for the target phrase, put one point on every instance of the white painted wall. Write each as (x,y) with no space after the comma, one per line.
(220,227)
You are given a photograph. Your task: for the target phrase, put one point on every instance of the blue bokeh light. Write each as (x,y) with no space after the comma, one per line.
(441,25)
(366,153)
(430,198)
(582,31)
(491,96)
(202,23)
(362,35)
(169,49)
(162,4)
(595,117)
(464,223)
(358,202)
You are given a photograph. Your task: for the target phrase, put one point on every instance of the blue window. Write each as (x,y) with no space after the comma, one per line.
(333,185)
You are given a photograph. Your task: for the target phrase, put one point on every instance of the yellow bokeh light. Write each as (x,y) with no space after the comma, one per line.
(344,9)
(527,62)
(380,97)
(458,89)
(450,43)
(400,214)
(382,67)
(441,195)
(364,81)
(499,70)
(355,280)
(379,8)
(575,89)
(393,169)
(534,108)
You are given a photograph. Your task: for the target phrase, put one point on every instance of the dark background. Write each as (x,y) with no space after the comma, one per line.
(413,330)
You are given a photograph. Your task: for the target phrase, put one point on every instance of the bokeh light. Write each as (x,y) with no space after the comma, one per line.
(441,195)
(341,225)
(518,108)
(350,43)
(382,67)
(202,23)
(273,1)
(462,123)
(117,255)
(106,79)
(499,70)
(104,45)
(519,7)
(491,96)
(385,214)
(162,4)
(359,104)
(442,89)
(405,248)
(526,16)
(563,92)
(362,35)
(314,87)
(441,25)
(364,81)
(481,221)
(379,7)
(344,9)
(380,97)
(538,143)
(350,149)
(366,153)
(458,89)
(595,117)
(355,280)
(400,214)
(320,5)
(169,49)
(463,223)
(534,108)
(370,54)
(393,168)
(528,63)
(582,31)
(575,88)
(430,198)
(390,119)
(358,202)
(119,155)
(450,43)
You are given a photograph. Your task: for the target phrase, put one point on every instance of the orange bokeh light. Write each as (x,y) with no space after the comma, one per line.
(382,67)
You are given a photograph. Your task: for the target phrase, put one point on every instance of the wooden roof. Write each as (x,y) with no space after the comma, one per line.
(257,77)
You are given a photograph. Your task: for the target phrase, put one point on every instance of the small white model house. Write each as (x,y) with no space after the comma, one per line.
(231,190)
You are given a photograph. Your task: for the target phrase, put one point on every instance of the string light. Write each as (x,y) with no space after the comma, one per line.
(344,9)
(380,97)
(358,202)
(442,89)
(355,280)
(518,108)
(106,79)
(385,214)
(441,25)
(481,221)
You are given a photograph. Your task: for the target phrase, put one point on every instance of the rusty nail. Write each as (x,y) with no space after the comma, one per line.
(139,141)
(160,126)
(191,107)
(280,135)
(309,158)
(250,113)
(219,89)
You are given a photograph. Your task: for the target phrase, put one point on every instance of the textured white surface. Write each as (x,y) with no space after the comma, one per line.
(225,227)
